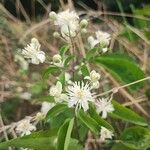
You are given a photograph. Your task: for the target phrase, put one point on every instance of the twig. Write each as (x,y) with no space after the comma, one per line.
(123,86)
(8,14)
(5,133)
(137,101)
(145,57)
(125,93)
(33,28)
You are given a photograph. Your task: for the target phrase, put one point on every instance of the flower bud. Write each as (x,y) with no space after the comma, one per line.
(34,40)
(94,76)
(83,23)
(56,58)
(56,35)
(83,31)
(53,15)
(95,85)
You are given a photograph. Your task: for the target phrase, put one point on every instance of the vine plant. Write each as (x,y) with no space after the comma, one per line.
(77,105)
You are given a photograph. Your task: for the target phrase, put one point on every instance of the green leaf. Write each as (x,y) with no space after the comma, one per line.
(126,114)
(68,59)
(57,109)
(49,99)
(98,119)
(136,138)
(37,88)
(85,70)
(91,53)
(122,69)
(74,145)
(120,146)
(62,78)
(64,134)
(35,141)
(89,121)
(64,49)
(58,120)
(68,135)
(50,70)
(83,130)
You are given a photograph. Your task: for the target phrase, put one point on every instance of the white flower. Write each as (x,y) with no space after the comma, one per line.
(104,106)
(32,52)
(46,106)
(24,127)
(56,91)
(92,42)
(103,38)
(105,134)
(79,95)
(68,21)
(57,60)
(94,77)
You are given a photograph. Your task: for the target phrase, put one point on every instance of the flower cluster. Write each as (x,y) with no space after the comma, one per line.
(105,134)
(33,52)
(25,127)
(102,40)
(69,24)
(104,106)
(76,94)
(79,95)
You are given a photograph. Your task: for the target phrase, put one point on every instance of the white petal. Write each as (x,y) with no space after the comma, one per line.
(92,41)
(87,78)
(59,87)
(71,103)
(95,85)
(35,61)
(104,114)
(104,50)
(85,105)
(41,56)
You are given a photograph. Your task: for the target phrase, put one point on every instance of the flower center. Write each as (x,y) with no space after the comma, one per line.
(80,94)
(24,126)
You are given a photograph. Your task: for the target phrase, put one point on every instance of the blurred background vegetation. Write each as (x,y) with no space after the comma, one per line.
(128,21)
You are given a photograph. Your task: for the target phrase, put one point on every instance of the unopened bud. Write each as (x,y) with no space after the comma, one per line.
(53,15)
(56,58)
(83,31)
(83,23)
(56,35)
(34,40)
